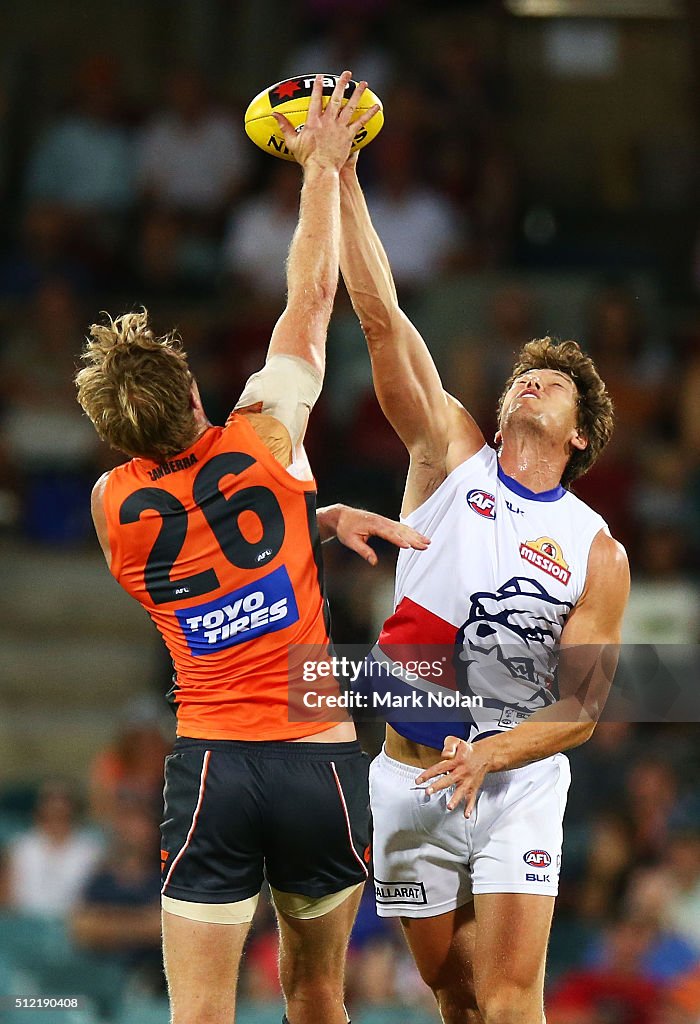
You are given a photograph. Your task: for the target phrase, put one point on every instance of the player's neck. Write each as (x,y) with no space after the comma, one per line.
(533,463)
(201,423)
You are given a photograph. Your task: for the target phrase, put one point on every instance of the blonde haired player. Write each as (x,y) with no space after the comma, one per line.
(213,530)
(517,565)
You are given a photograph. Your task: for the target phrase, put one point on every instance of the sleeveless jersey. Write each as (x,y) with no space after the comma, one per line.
(220,546)
(504,569)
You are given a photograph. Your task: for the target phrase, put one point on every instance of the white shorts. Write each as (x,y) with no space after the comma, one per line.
(428,860)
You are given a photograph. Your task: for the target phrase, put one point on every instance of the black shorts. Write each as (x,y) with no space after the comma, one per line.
(236,813)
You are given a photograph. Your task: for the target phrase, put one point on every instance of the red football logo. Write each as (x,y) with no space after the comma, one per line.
(537,859)
(483,503)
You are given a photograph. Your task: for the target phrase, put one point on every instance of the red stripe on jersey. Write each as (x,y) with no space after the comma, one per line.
(414,634)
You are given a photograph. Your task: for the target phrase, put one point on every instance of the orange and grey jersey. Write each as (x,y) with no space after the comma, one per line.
(220,546)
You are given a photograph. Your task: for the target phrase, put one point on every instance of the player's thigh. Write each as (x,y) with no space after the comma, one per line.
(443,948)
(518,829)
(510,946)
(201,966)
(212,830)
(317,820)
(421,851)
(313,948)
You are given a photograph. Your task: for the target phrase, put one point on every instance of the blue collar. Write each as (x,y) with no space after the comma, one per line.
(524,492)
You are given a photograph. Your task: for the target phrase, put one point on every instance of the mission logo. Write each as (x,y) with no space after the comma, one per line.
(545,554)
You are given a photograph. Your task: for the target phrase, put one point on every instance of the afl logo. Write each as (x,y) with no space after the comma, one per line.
(483,503)
(537,859)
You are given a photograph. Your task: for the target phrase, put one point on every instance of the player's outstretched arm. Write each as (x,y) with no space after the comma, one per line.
(291,381)
(354,526)
(589,650)
(434,427)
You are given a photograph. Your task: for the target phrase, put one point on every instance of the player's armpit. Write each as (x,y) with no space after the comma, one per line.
(427,471)
(273,434)
(464,438)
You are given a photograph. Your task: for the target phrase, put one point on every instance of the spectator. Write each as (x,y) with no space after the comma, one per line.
(159,264)
(420,229)
(618,992)
(47,867)
(473,165)
(605,756)
(43,254)
(118,914)
(259,234)
(664,606)
(132,766)
(610,856)
(652,796)
(634,369)
(670,892)
(83,161)
(49,444)
(683,1000)
(477,365)
(191,157)
(342,42)
(660,495)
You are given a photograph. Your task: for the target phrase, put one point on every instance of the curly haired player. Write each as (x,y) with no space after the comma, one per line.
(517,570)
(214,531)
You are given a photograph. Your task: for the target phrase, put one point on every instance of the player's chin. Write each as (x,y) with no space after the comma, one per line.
(532,422)
(524,412)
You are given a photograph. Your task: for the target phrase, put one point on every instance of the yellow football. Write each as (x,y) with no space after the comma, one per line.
(292,98)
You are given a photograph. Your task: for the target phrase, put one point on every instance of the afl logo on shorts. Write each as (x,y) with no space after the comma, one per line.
(483,503)
(537,859)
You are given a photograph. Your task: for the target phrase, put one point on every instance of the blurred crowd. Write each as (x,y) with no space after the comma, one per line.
(163,202)
(625,947)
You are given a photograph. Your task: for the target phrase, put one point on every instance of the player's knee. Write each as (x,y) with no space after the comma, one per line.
(314,999)
(511,1004)
(306,982)
(212,1014)
(457,1006)
(434,975)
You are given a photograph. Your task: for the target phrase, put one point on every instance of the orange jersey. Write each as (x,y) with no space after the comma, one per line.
(220,546)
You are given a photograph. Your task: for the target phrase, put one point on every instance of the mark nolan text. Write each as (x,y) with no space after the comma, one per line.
(416,699)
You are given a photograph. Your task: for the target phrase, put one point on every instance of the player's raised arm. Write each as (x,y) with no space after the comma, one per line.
(433,426)
(291,380)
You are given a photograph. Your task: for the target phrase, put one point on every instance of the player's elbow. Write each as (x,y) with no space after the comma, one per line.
(322,294)
(584,731)
(380,324)
(314,299)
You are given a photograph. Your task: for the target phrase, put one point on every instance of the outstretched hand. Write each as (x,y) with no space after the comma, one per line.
(326,137)
(355,527)
(463,766)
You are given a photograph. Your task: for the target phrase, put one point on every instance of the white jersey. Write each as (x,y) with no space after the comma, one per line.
(503,571)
